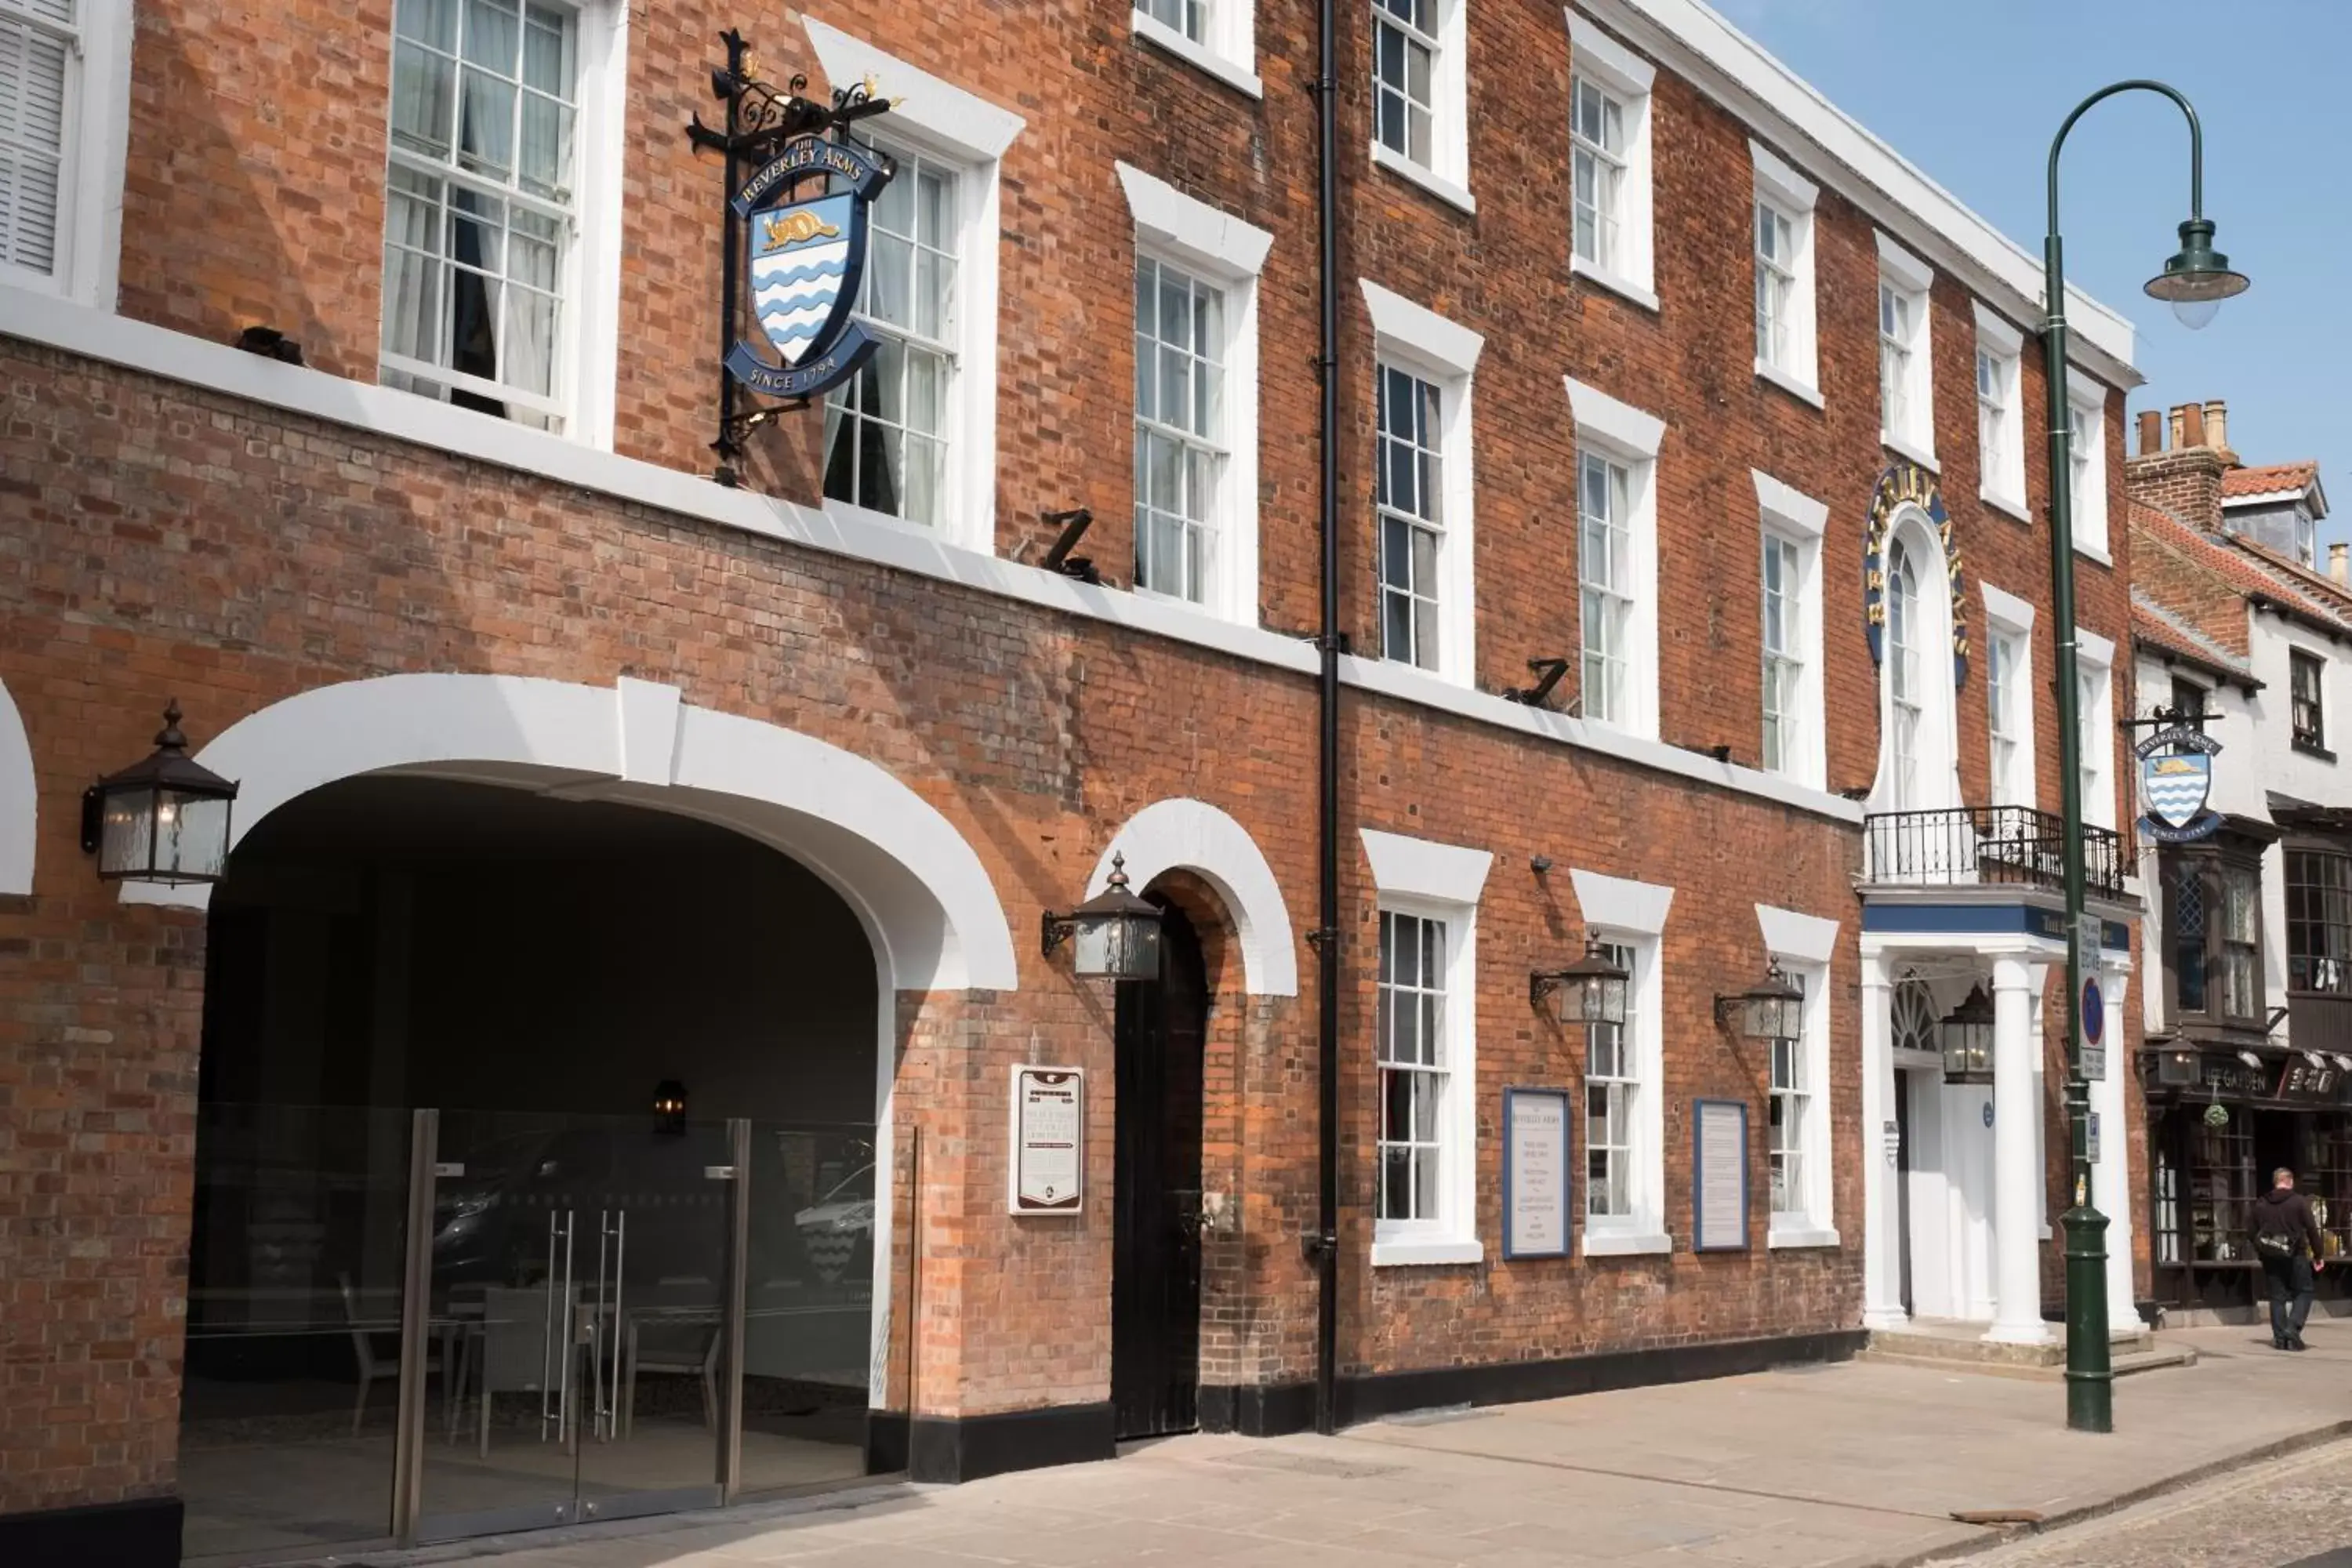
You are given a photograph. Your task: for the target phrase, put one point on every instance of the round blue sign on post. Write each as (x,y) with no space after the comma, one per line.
(2094,1011)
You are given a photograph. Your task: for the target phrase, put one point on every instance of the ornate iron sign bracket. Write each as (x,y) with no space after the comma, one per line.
(762,123)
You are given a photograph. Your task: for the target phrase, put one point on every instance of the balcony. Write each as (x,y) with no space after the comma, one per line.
(1977,846)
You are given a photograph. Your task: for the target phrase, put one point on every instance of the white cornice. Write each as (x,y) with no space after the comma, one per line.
(1688,39)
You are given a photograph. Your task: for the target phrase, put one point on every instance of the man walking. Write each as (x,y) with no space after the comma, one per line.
(2286,1238)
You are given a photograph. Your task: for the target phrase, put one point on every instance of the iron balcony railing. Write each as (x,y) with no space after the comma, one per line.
(1970,845)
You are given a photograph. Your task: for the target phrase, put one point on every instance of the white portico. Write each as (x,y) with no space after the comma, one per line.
(1958,1184)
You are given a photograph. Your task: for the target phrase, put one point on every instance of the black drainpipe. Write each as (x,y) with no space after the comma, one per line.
(1323,1246)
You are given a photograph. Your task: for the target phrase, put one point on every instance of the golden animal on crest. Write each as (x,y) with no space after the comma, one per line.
(792,228)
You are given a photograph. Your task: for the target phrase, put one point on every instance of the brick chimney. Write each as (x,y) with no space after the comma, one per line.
(2336,566)
(2217,431)
(2186,479)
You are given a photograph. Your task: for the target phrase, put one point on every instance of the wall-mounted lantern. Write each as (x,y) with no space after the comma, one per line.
(1968,1040)
(1589,991)
(670,1105)
(162,820)
(2176,1068)
(1772,1011)
(1113,936)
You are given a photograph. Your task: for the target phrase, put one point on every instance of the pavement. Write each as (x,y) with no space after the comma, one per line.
(1829,1466)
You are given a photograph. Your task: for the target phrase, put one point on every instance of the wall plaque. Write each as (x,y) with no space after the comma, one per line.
(1536,1173)
(1719,1175)
(1049,1118)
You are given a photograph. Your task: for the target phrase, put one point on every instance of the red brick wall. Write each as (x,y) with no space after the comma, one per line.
(1036,736)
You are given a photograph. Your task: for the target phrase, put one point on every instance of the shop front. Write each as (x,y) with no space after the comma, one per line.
(2220,1120)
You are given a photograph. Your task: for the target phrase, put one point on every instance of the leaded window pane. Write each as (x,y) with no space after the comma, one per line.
(1606,576)
(1414,1075)
(479,210)
(1409,505)
(1612,1091)
(1404,55)
(1179,427)
(888,438)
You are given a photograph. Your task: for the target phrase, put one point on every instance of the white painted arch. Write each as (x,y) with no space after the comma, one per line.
(19,800)
(1183,833)
(924,897)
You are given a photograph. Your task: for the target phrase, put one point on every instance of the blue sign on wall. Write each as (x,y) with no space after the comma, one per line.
(2176,776)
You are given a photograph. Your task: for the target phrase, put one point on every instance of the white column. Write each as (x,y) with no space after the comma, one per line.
(1882,1239)
(2111,1183)
(2037,980)
(2016,1179)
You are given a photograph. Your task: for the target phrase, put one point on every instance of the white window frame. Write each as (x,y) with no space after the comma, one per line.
(1446,175)
(1911,433)
(1631,438)
(1803,946)
(1219,248)
(2094,670)
(955,127)
(2087,401)
(1226,48)
(1633,915)
(2009,619)
(1417,339)
(2001,475)
(587,344)
(1624,76)
(1792,194)
(1787,513)
(87,247)
(1438,881)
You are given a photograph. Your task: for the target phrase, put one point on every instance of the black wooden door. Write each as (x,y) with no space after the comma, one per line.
(1903,1182)
(1155,1333)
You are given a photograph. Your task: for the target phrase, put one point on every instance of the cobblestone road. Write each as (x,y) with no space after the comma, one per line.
(2295,1512)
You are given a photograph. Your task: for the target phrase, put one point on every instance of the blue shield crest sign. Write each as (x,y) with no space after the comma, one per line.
(2176,776)
(2176,786)
(804,214)
(806,262)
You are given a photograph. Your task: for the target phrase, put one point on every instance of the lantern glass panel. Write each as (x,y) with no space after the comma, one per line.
(1118,947)
(191,836)
(1773,1019)
(1968,1049)
(126,842)
(1600,999)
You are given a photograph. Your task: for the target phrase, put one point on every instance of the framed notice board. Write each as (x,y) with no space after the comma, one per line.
(1719,1175)
(1049,1117)
(1537,1170)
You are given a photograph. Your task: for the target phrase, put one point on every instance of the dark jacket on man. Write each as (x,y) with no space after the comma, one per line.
(2285,1212)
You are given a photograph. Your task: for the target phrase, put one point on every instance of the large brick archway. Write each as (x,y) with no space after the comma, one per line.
(922,893)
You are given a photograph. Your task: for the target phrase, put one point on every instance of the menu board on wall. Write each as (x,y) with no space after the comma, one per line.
(1719,1175)
(1536,1173)
(1049,1117)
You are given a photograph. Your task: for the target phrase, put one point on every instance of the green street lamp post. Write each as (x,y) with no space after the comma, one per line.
(2194,283)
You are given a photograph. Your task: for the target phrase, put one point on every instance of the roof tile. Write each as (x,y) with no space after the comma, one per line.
(2269,479)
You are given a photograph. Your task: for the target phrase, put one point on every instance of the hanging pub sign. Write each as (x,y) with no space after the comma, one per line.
(2176,776)
(794,243)
(805,211)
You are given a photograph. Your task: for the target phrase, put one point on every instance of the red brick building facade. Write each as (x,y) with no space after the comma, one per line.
(356,576)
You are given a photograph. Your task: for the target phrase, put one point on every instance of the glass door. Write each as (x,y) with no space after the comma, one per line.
(576,1285)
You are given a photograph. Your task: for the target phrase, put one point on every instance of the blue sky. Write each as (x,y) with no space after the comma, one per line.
(1971,92)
